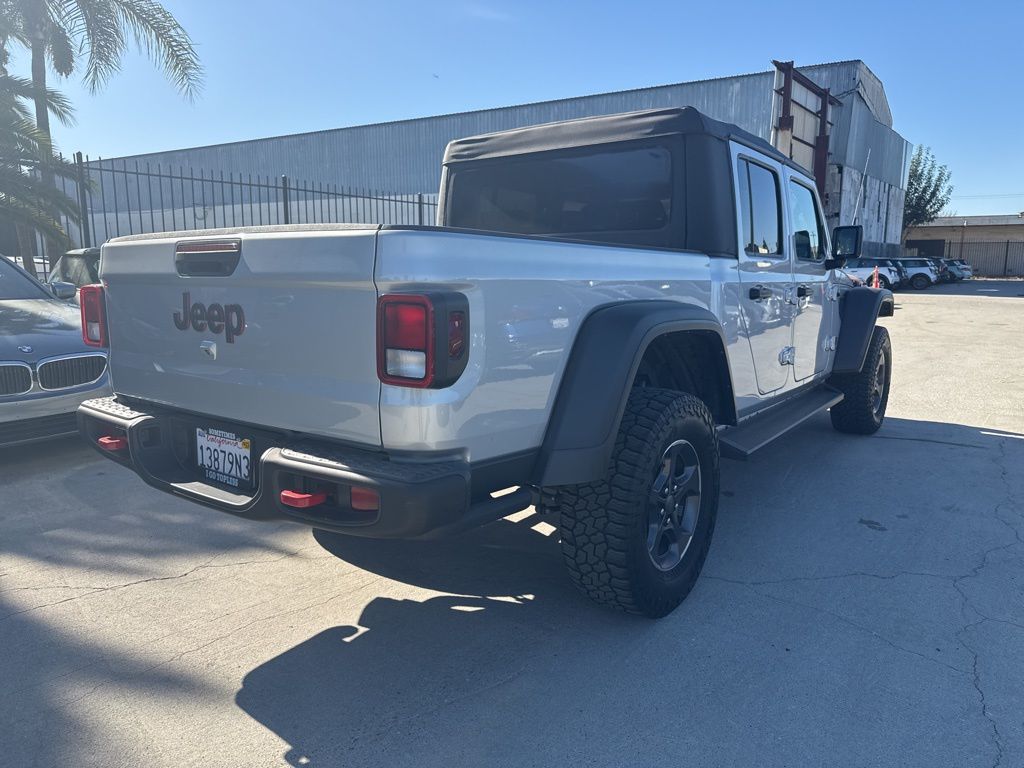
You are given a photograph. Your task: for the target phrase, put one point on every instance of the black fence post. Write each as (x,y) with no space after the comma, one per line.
(1006,260)
(83,201)
(284,199)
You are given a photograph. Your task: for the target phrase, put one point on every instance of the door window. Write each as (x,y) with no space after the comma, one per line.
(808,231)
(760,212)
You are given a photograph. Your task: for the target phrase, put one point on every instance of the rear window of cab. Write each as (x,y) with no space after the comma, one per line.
(618,193)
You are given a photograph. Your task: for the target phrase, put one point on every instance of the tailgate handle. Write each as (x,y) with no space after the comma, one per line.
(207,258)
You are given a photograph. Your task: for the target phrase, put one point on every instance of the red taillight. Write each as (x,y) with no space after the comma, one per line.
(405,340)
(422,339)
(405,325)
(94,315)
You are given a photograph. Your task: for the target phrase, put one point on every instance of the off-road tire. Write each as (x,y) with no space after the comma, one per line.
(860,413)
(920,282)
(883,282)
(604,524)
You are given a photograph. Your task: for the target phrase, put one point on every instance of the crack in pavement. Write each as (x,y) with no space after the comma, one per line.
(953,443)
(832,577)
(95,590)
(844,620)
(969,612)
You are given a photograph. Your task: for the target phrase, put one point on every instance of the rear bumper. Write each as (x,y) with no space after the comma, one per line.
(415,498)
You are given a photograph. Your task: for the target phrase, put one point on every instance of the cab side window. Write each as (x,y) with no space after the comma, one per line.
(760,212)
(808,230)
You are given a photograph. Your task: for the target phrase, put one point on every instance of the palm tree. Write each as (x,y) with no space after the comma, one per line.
(26,200)
(59,33)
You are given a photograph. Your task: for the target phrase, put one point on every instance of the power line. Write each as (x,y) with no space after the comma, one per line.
(982,197)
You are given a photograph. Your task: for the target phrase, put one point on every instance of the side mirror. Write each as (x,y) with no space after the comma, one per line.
(846,241)
(63,290)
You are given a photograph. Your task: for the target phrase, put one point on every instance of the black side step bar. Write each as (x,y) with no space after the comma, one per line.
(756,432)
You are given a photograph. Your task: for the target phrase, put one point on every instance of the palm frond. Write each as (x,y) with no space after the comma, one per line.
(97,26)
(18,211)
(157,31)
(61,50)
(28,167)
(22,88)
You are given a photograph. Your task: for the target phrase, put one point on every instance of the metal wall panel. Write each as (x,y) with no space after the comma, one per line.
(405,157)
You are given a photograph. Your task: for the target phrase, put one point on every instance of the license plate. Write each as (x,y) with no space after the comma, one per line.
(224,457)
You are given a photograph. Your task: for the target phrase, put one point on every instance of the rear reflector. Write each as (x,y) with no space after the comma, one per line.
(111,443)
(456,335)
(301,500)
(94,315)
(365,499)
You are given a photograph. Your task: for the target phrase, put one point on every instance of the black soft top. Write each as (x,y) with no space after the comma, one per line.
(605,129)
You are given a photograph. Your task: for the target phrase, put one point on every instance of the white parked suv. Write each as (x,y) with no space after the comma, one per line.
(864,269)
(607,307)
(921,271)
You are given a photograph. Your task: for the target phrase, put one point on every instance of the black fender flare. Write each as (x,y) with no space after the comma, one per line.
(859,308)
(597,380)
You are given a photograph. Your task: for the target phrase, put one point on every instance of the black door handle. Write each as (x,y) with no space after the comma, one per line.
(759,292)
(802,291)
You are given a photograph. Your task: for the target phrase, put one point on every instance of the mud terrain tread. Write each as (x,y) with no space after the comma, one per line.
(599,519)
(854,415)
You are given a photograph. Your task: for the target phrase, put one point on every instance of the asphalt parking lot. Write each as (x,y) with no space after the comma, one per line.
(862,605)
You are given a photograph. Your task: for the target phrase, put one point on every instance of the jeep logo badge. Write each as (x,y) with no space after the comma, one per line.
(228,319)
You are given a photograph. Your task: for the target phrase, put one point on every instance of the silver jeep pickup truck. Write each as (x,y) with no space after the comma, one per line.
(607,306)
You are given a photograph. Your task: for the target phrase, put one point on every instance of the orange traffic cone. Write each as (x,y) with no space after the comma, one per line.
(874,279)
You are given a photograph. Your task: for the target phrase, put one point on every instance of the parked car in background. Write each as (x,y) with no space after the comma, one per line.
(864,269)
(46,369)
(922,272)
(903,277)
(960,269)
(79,267)
(945,276)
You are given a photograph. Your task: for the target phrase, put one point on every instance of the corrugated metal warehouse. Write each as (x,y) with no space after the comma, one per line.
(832,118)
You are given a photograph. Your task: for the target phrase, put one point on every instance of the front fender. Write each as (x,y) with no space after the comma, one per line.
(859,308)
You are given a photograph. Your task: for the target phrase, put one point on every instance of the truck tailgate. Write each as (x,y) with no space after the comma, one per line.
(286,340)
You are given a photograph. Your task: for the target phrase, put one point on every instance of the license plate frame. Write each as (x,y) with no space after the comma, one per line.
(224,458)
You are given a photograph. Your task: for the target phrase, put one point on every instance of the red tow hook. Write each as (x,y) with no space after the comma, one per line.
(112,444)
(301,500)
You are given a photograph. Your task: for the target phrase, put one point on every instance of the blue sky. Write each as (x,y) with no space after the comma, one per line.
(953,73)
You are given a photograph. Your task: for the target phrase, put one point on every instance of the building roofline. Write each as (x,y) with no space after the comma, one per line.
(993,220)
(462,113)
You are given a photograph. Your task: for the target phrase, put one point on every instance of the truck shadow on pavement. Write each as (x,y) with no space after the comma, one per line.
(418,666)
(514,667)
